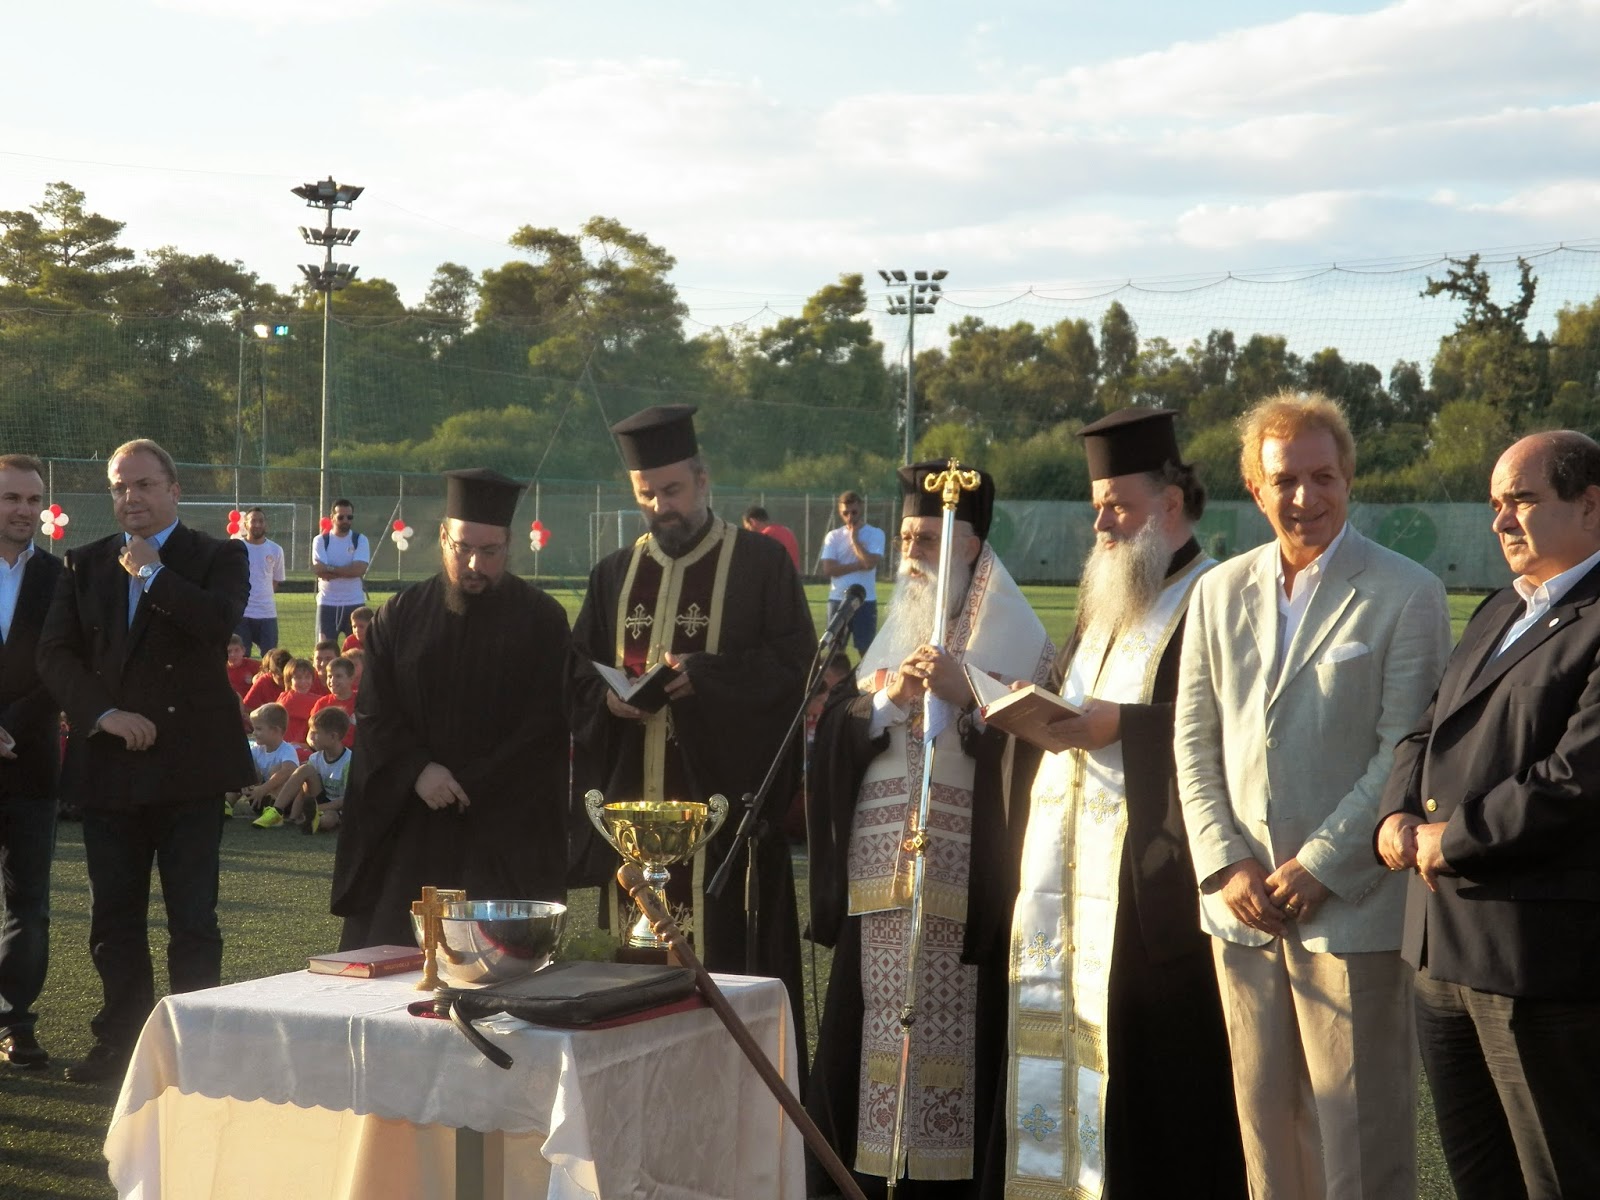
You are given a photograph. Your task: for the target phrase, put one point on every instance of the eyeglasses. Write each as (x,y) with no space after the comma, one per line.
(482,553)
(139,487)
(923,541)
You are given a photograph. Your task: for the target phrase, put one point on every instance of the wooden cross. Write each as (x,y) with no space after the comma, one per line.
(431,909)
(952,481)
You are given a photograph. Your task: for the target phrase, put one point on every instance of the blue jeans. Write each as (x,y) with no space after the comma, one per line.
(27,844)
(334,619)
(182,840)
(261,631)
(863,626)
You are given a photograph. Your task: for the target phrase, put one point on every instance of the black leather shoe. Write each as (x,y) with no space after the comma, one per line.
(105,1063)
(20,1049)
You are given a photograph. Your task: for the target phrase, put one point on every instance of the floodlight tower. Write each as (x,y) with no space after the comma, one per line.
(328,278)
(921,294)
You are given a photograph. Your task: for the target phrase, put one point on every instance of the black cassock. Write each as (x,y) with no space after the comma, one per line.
(480,693)
(723,737)
(840,755)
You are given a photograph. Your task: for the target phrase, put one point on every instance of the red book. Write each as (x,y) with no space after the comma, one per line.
(368,963)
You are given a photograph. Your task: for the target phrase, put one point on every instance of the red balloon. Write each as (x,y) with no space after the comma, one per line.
(233,528)
(57,533)
(327,524)
(55,510)
(233,515)
(398,525)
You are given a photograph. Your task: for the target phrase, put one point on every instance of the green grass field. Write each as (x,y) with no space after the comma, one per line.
(274,912)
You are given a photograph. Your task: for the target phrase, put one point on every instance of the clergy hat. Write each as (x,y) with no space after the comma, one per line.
(1130,441)
(657,436)
(481,496)
(975,507)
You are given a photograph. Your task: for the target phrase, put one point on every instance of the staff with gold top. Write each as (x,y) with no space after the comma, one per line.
(913,857)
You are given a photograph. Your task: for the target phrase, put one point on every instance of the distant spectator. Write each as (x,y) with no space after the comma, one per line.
(275,760)
(259,625)
(341,694)
(269,682)
(757,521)
(241,670)
(339,559)
(851,554)
(298,699)
(313,797)
(359,620)
(326,651)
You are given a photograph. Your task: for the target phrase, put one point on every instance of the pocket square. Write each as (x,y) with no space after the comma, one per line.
(1345,652)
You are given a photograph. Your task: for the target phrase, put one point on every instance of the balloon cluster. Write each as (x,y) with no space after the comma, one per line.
(538,535)
(402,534)
(54,522)
(235,522)
(326,524)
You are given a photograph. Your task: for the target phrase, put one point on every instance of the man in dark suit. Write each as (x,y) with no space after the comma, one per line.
(135,650)
(29,754)
(1492,803)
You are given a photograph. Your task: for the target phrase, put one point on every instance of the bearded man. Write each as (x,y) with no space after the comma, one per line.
(1116,1026)
(460,771)
(725,609)
(868,762)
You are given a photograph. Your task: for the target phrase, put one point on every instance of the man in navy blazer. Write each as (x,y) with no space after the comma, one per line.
(29,756)
(135,650)
(1494,802)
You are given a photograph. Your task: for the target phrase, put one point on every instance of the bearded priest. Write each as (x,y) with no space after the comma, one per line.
(867,772)
(1116,1026)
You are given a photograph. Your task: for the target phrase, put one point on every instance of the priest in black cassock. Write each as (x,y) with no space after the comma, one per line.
(867,774)
(723,606)
(1120,1084)
(461,754)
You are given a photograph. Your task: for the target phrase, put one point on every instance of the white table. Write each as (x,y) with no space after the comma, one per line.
(315,1086)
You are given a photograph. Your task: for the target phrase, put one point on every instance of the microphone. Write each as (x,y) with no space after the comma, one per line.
(854,598)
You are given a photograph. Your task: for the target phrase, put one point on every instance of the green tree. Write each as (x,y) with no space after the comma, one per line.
(1488,357)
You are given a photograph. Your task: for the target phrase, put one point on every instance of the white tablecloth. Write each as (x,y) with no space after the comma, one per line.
(308,1085)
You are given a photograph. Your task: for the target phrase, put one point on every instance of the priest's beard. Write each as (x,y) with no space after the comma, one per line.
(911,621)
(675,532)
(1121,580)
(460,601)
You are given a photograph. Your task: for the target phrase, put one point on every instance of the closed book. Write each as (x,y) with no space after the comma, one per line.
(369,962)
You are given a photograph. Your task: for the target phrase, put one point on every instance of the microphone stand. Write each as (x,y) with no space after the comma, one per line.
(753,826)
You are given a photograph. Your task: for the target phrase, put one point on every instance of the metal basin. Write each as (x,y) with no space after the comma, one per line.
(491,941)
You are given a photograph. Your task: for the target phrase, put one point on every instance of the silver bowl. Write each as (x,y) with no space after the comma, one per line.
(491,941)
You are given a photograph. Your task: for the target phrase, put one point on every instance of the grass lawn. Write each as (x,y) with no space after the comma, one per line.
(274,902)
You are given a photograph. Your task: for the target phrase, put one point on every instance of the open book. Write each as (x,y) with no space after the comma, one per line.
(1027,713)
(646,693)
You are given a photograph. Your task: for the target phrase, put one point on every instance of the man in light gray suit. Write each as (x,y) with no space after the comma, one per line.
(1305,661)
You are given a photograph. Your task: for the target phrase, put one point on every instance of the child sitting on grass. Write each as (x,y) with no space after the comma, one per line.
(313,796)
(342,681)
(360,618)
(298,699)
(241,670)
(275,759)
(268,683)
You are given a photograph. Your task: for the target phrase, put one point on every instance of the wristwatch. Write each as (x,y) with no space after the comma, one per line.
(148,571)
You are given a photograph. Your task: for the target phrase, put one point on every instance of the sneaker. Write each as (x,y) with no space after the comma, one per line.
(105,1063)
(19,1049)
(316,817)
(270,818)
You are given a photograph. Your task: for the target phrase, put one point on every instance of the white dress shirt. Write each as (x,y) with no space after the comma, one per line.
(1292,604)
(1541,598)
(11,588)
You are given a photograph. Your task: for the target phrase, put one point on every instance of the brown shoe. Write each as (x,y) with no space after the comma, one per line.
(20,1049)
(105,1063)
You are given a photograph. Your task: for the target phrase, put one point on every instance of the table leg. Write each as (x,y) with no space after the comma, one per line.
(480,1165)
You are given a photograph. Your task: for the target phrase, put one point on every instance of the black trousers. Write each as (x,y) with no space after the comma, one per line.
(27,845)
(1514,1090)
(120,845)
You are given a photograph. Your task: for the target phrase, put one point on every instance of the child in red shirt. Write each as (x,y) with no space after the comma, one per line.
(298,701)
(341,679)
(241,670)
(360,618)
(268,683)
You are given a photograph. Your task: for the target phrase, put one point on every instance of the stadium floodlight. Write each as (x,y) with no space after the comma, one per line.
(331,277)
(920,296)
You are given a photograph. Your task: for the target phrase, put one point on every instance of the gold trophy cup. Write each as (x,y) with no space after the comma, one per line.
(655,834)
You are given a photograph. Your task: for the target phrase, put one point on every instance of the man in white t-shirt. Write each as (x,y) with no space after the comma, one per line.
(259,625)
(851,554)
(339,559)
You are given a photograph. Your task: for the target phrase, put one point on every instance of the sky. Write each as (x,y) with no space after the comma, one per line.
(772,148)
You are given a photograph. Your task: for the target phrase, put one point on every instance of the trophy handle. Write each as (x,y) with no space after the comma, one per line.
(717,813)
(593,802)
